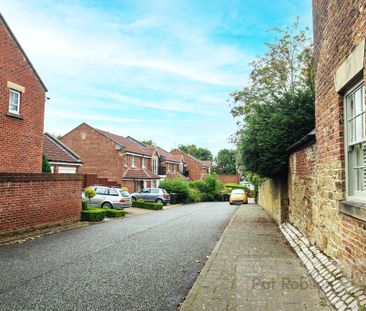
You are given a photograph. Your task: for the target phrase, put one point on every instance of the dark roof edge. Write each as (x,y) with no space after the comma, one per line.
(20,47)
(65,148)
(305,141)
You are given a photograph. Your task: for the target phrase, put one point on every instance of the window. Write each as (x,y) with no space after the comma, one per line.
(174,168)
(355,126)
(101,191)
(14,101)
(181,167)
(133,162)
(113,193)
(155,165)
(143,162)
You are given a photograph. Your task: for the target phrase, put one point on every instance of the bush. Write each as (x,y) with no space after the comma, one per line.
(178,186)
(194,195)
(84,205)
(89,193)
(93,214)
(147,205)
(209,188)
(115,213)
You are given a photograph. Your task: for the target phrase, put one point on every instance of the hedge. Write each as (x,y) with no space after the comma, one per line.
(84,205)
(147,205)
(93,214)
(115,213)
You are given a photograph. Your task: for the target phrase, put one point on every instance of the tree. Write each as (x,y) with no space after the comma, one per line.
(277,107)
(225,162)
(89,193)
(46,167)
(200,153)
(149,142)
(286,67)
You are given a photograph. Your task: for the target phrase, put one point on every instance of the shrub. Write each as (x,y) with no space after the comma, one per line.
(93,214)
(178,186)
(89,193)
(147,205)
(209,188)
(84,205)
(115,213)
(46,167)
(194,195)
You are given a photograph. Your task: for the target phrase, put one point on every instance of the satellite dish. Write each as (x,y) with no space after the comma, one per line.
(118,147)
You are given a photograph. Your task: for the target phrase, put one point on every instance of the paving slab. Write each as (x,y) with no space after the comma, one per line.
(254,268)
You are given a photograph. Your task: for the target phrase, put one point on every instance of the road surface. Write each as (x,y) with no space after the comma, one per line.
(147,262)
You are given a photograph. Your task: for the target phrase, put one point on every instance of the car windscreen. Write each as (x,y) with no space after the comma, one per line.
(124,193)
(237,191)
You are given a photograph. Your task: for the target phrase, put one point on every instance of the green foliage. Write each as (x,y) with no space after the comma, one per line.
(149,142)
(46,167)
(178,186)
(225,162)
(209,188)
(235,186)
(200,153)
(84,205)
(89,193)
(147,205)
(271,129)
(93,214)
(277,108)
(115,213)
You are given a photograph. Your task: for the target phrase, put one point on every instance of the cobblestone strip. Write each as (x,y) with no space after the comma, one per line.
(341,293)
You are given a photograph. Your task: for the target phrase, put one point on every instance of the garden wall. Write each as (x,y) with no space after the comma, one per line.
(29,201)
(229,179)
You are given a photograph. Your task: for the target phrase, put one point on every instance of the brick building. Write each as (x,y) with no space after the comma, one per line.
(119,159)
(61,158)
(22,101)
(326,193)
(196,168)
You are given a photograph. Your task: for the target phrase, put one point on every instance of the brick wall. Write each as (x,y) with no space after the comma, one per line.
(97,152)
(302,189)
(35,200)
(21,139)
(229,179)
(196,172)
(339,26)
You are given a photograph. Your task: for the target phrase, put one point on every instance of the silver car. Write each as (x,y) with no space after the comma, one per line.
(107,197)
(152,195)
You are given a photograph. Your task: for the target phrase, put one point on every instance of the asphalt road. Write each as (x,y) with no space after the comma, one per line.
(147,262)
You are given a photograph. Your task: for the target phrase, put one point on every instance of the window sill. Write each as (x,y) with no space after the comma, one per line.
(354,209)
(14,115)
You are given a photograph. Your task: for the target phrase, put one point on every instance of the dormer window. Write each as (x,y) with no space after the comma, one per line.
(133,164)
(143,162)
(14,101)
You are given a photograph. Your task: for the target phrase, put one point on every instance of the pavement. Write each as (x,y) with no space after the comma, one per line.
(254,268)
(148,262)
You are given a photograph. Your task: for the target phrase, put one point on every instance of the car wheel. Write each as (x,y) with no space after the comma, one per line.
(159,201)
(133,198)
(107,205)
(230,203)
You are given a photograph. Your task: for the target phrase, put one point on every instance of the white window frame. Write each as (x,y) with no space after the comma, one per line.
(155,165)
(133,161)
(143,163)
(11,91)
(351,143)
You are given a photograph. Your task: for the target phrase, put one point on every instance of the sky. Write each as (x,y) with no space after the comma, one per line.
(150,69)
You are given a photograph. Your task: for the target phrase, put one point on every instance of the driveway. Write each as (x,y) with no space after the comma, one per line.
(147,262)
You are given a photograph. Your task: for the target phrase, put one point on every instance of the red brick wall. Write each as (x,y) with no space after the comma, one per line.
(354,247)
(97,152)
(35,200)
(196,172)
(21,139)
(230,179)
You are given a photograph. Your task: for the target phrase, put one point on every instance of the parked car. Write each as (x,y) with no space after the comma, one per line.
(238,196)
(152,195)
(108,197)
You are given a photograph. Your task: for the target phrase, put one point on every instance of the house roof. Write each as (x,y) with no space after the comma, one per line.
(304,142)
(130,145)
(56,151)
(2,19)
(168,156)
(202,163)
(139,173)
(176,174)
